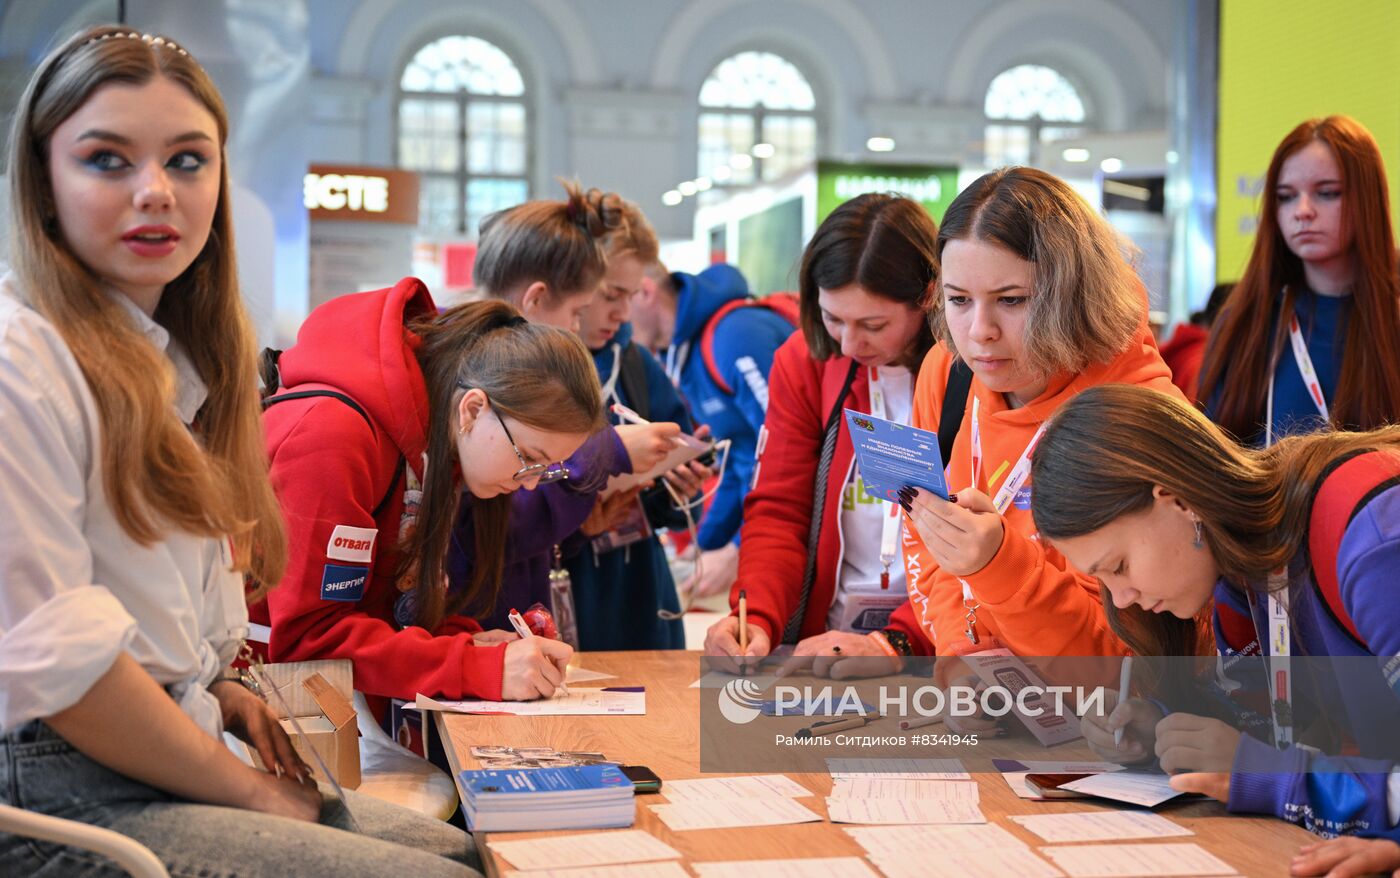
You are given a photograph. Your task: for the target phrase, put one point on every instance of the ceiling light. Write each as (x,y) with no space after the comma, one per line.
(880,144)
(703,184)
(672,197)
(1111,165)
(764,150)
(741,161)
(687,188)
(1075,154)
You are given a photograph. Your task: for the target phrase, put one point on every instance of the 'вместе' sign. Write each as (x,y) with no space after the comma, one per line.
(361,194)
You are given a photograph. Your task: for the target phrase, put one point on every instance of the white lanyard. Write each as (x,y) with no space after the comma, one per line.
(1014,480)
(893,521)
(610,386)
(1280,650)
(1305,366)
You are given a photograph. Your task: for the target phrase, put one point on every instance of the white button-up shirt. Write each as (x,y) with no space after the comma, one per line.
(75,589)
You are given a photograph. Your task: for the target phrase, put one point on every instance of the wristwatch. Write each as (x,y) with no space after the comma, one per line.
(898,640)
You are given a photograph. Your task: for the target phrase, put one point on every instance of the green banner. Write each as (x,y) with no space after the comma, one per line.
(933,186)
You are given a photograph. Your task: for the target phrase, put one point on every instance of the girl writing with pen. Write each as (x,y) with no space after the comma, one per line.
(1035,296)
(1290,550)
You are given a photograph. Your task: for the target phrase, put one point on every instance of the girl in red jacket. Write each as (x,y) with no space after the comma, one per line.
(819,559)
(390,415)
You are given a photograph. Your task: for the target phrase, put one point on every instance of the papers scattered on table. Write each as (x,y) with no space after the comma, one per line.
(868,787)
(583,675)
(573,797)
(729,813)
(903,811)
(718,789)
(1123,860)
(976,851)
(579,702)
(592,849)
(898,769)
(1100,826)
(991,863)
(1134,787)
(1014,772)
(920,842)
(631,870)
(822,867)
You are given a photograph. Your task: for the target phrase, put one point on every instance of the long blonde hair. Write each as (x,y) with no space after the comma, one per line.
(158,476)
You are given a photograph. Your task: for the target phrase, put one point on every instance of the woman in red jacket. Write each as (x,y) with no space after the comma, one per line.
(389,416)
(819,559)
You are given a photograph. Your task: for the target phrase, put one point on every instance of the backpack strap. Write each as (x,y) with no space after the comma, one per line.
(785,305)
(335,394)
(633,378)
(1343,491)
(954,405)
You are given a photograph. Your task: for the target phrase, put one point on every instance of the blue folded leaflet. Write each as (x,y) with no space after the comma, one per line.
(893,455)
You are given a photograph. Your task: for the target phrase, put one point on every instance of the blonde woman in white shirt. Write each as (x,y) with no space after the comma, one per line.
(133,494)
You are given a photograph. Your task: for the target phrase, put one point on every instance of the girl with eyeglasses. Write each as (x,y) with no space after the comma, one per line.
(389,418)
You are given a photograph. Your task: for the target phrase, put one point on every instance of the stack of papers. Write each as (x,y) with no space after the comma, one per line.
(900,769)
(574,797)
(966,851)
(724,802)
(1130,860)
(1143,788)
(817,867)
(1100,826)
(583,851)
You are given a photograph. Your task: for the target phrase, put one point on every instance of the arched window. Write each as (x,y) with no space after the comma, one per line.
(1026,107)
(757,120)
(463,127)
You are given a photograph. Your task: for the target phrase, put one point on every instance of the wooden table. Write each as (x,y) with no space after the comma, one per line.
(666,739)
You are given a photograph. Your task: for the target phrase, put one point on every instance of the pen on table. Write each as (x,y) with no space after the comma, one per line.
(906,724)
(1124,674)
(518,623)
(816,730)
(743,625)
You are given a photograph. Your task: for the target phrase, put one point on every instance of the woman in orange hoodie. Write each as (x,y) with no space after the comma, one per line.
(1035,295)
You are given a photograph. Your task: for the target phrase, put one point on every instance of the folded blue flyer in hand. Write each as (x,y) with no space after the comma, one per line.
(893,455)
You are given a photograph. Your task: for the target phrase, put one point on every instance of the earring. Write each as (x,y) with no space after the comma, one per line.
(462,430)
(1200,541)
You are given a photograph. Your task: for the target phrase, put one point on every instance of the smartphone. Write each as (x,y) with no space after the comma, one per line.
(1047,786)
(644,780)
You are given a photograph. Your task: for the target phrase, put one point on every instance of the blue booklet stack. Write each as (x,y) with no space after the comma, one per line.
(573,797)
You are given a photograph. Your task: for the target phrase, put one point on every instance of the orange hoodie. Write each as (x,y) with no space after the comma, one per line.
(1031,601)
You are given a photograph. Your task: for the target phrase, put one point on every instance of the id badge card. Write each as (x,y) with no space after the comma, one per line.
(633,529)
(1002,669)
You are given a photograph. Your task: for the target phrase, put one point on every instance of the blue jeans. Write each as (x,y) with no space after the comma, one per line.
(42,773)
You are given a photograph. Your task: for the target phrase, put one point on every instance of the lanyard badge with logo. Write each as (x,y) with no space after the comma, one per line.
(1310,379)
(1002,501)
(892,520)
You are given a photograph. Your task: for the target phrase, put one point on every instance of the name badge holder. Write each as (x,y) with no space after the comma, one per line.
(1305,368)
(893,522)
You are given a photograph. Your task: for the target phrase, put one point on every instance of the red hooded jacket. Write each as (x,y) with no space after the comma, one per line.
(331,468)
(778,510)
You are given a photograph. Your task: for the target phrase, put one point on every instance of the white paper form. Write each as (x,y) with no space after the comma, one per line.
(729,813)
(587,849)
(1134,787)
(880,788)
(903,811)
(579,702)
(898,769)
(990,863)
(1015,777)
(921,842)
(631,870)
(583,675)
(1124,860)
(719,789)
(1101,826)
(821,867)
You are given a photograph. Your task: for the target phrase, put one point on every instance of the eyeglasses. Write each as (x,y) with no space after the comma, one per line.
(545,472)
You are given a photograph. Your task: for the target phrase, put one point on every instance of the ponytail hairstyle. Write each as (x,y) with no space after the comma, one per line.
(158,475)
(887,244)
(1249,337)
(1088,301)
(556,242)
(536,374)
(1107,447)
(632,236)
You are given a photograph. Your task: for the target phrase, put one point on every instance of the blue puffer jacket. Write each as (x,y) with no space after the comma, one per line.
(744,343)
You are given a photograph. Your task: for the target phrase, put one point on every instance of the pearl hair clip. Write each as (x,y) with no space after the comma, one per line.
(148,39)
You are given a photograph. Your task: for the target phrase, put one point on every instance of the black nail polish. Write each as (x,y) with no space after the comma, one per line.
(952,498)
(908,507)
